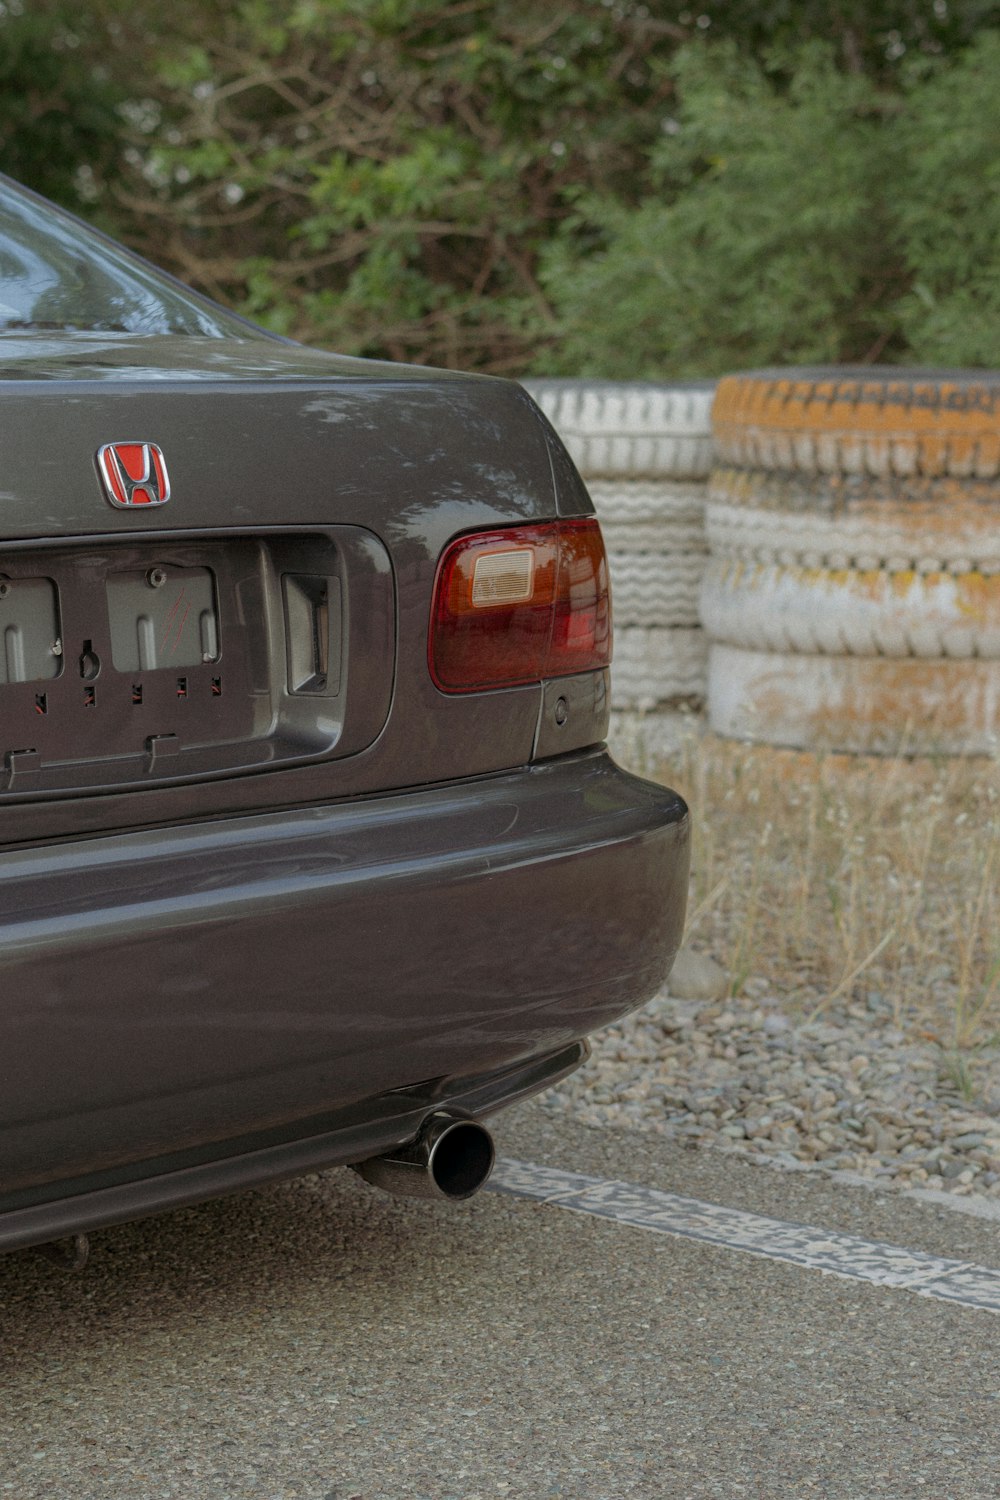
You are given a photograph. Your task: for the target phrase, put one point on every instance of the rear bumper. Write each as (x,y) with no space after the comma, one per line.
(191,1010)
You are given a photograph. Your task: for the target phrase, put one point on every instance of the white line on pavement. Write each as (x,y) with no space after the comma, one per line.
(797,1244)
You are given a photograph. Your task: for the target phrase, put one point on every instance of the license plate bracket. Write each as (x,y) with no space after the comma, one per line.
(134,662)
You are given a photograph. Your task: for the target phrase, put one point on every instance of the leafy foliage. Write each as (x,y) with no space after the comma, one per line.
(612,187)
(766,237)
(58,107)
(949,211)
(381,174)
(875,37)
(800,214)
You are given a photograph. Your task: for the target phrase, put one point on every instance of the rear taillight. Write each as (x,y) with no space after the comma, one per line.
(520,605)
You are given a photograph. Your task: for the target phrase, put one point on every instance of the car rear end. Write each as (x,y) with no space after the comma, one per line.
(309,831)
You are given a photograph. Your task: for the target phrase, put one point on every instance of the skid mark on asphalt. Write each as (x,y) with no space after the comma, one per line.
(797,1244)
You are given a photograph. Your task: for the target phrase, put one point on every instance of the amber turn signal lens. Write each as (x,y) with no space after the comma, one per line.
(520,605)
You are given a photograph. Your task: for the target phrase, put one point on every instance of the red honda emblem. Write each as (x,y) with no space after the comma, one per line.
(133,474)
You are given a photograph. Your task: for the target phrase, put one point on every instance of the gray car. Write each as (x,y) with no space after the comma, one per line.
(313,852)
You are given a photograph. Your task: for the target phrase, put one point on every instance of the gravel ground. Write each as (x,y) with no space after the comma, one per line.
(844,1091)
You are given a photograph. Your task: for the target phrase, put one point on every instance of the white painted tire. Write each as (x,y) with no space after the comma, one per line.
(850,542)
(864,421)
(655,538)
(654,532)
(855,704)
(652,667)
(638,502)
(847,612)
(640,518)
(645,450)
(852,598)
(656,589)
(633,430)
(948,528)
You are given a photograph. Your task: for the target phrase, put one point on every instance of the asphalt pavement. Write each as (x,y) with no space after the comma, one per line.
(320,1341)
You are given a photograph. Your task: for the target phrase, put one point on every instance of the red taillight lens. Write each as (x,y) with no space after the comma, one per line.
(520,605)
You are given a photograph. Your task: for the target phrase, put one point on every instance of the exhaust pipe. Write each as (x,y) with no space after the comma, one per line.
(451,1158)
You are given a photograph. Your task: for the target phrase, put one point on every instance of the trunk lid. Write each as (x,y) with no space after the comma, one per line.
(264,632)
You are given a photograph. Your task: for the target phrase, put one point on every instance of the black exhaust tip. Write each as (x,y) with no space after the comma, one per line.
(461,1159)
(451,1158)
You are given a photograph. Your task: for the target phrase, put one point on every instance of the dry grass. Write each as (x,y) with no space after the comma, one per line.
(858,878)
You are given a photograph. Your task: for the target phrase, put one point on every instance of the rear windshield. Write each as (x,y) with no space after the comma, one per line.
(55,273)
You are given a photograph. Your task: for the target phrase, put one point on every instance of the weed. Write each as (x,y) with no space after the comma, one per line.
(829,876)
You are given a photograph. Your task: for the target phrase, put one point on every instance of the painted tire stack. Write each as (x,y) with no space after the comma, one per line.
(645,451)
(852,598)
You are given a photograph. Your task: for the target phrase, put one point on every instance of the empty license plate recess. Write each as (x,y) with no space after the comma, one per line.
(162,617)
(131,664)
(29,630)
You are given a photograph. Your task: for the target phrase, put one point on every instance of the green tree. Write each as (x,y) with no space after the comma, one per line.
(949,213)
(877,37)
(59,120)
(381,175)
(768,235)
(616,188)
(799,214)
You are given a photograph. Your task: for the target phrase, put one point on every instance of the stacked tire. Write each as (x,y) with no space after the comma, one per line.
(852,596)
(645,450)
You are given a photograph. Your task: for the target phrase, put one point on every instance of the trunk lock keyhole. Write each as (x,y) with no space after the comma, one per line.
(90,663)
